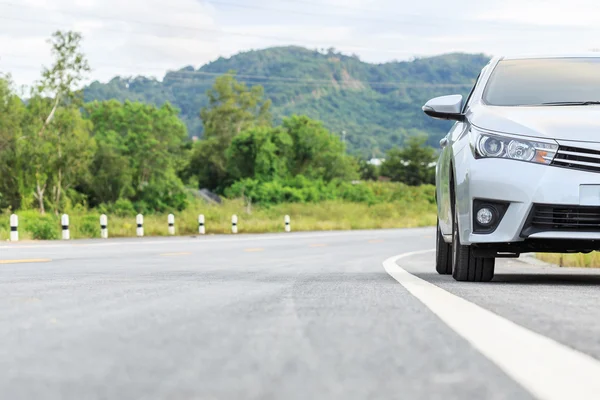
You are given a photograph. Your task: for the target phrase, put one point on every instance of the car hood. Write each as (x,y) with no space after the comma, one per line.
(574,123)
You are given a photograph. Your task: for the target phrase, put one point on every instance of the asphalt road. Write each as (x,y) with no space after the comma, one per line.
(291,316)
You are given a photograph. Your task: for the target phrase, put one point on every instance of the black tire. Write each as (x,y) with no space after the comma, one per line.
(466,267)
(443,254)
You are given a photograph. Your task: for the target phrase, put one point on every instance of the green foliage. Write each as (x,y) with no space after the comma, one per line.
(412,164)
(378,105)
(51,159)
(43,228)
(45,147)
(121,207)
(367,171)
(259,153)
(88,226)
(317,154)
(140,152)
(232,108)
(69,69)
(240,144)
(300,147)
(11,115)
(110,173)
(302,190)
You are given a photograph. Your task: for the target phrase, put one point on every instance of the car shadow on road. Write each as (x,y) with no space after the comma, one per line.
(564,279)
(579,279)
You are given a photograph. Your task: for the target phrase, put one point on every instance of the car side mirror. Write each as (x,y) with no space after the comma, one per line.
(445,107)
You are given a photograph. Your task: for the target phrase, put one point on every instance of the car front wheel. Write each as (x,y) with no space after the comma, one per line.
(467,267)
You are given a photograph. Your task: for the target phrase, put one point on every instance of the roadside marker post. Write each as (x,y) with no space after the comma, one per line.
(286,220)
(140,225)
(104,226)
(171,220)
(201,228)
(14,228)
(234,222)
(64,221)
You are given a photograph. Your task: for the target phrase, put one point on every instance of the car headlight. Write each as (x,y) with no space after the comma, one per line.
(486,145)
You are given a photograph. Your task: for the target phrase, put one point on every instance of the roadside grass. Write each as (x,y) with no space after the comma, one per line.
(327,215)
(591,260)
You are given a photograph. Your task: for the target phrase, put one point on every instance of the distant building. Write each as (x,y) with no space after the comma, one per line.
(376,161)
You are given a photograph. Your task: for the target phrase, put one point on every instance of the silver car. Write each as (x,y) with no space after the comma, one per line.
(520,169)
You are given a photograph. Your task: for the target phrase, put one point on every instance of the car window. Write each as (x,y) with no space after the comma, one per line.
(539,81)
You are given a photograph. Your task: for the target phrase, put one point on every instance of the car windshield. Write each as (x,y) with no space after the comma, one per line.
(552,81)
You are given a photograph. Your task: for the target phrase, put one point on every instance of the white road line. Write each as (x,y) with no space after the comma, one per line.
(544,367)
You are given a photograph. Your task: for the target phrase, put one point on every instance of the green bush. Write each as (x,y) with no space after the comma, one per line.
(358,193)
(121,207)
(88,226)
(43,228)
(301,190)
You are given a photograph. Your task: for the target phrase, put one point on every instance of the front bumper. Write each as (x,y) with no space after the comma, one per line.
(522,185)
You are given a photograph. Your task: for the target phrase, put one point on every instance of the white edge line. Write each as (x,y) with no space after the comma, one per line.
(544,367)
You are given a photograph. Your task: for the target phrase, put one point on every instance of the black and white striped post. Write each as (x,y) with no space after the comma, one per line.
(14,228)
(104,226)
(171,221)
(64,221)
(139,220)
(234,222)
(201,228)
(286,221)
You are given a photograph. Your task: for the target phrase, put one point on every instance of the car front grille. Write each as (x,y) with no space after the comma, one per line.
(564,218)
(577,158)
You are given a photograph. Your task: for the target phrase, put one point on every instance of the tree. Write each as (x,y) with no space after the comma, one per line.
(232,109)
(110,173)
(260,153)
(58,158)
(411,164)
(75,150)
(367,171)
(69,69)
(11,115)
(317,154)
(140,148)
(301,146)
(37,154)
(50,147)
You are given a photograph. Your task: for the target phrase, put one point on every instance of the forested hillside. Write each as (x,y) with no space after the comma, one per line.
(377,106)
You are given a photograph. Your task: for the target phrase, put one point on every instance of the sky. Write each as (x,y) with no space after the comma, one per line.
(149,37)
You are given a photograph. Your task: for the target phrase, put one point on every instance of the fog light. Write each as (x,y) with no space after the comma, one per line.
(485,216)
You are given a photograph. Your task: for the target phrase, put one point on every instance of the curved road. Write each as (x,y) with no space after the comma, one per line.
(292,316)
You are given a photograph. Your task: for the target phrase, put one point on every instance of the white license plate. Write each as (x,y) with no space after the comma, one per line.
(589,195)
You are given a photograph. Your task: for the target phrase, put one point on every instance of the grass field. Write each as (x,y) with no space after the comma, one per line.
(591,260)
(330,215)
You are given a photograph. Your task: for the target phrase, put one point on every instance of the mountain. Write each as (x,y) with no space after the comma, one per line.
(377,105)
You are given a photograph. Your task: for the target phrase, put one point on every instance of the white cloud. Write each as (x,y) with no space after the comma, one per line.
(131,37)
(574,14)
